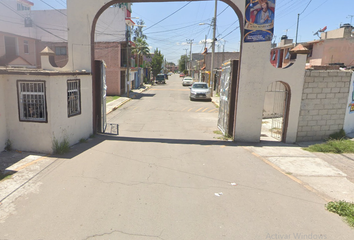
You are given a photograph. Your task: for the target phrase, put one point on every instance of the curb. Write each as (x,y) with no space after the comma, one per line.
(118,106)
(127,100)
(215,103)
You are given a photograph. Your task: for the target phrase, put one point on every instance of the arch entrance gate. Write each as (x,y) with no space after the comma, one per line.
(255,70)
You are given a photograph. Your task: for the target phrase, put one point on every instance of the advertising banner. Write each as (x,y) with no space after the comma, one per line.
(259,20)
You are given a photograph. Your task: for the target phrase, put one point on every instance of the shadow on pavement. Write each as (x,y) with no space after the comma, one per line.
(9,158)
(141,95)
(99,138)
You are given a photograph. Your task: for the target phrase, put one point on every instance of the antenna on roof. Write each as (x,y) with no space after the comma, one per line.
(286,32)
(320,31)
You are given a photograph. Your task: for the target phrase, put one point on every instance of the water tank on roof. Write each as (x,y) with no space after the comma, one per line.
(345,25)
(284,37)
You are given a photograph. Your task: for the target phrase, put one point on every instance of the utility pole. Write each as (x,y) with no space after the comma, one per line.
(204,65)
(297,28)
(213,50)
(128,59)
(190,42)
(223,52)
(185,60)
(351,18)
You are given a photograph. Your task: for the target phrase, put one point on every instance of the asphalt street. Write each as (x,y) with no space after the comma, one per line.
(166,176)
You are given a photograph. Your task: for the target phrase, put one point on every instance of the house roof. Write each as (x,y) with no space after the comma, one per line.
(300,49)
(19,61)
(26,2)
(47,51)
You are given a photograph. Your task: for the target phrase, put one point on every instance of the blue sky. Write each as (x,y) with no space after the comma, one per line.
(171,34)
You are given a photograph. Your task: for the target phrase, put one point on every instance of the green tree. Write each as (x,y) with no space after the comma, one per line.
(138,31)
(140,49)
(156,62)
(182,63)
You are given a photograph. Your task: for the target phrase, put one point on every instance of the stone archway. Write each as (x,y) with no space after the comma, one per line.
(255,70)
(96,94)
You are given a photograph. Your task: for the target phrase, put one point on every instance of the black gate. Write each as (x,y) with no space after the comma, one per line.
(100,92)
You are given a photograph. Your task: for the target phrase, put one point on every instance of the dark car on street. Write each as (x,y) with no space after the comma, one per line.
(160,78)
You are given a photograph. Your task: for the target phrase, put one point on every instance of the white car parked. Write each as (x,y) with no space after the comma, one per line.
(200,90)
(187,81)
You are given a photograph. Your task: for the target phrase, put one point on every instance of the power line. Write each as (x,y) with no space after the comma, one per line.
(227,28)
(170,29)
(53,7)
(306,7)
(224,10)
(298,19)
(310,12)
(61,3)
(168,15)
(231,32)
(33,22)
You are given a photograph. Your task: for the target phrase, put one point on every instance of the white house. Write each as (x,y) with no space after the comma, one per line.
(38,106)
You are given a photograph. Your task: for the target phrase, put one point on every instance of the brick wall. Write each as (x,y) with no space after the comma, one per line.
(323,106)
(110,52)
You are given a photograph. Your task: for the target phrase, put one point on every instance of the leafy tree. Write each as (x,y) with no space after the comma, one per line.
(138,31)
(140,49)
(182,63)
(156,62)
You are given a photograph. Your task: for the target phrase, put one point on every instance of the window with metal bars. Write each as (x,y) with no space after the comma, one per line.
(32,101)
(74,102)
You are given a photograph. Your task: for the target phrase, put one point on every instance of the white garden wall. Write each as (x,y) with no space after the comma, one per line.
(38,136)
(3,130)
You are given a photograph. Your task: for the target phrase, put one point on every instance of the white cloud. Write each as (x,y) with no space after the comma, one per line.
(201,42)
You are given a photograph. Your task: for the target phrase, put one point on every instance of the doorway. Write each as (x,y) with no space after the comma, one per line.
(275,111)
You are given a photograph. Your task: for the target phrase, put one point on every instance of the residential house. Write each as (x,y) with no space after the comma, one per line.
(26,32)
(281,56)
(331,51)
(203,65)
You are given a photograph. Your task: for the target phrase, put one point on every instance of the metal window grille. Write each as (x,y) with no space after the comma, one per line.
(32,101)
(74,97)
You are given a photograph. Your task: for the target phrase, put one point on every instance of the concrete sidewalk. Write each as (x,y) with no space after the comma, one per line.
(317,172)
(111,106)
(330,175)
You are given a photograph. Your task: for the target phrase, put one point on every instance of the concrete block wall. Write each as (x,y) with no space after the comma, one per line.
(323,105)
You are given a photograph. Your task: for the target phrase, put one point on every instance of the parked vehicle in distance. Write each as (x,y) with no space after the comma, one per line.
(160,78)
(200,90)
(181,75)
(169,74)
(187,81)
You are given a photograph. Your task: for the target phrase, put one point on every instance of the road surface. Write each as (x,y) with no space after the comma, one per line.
(166,176)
